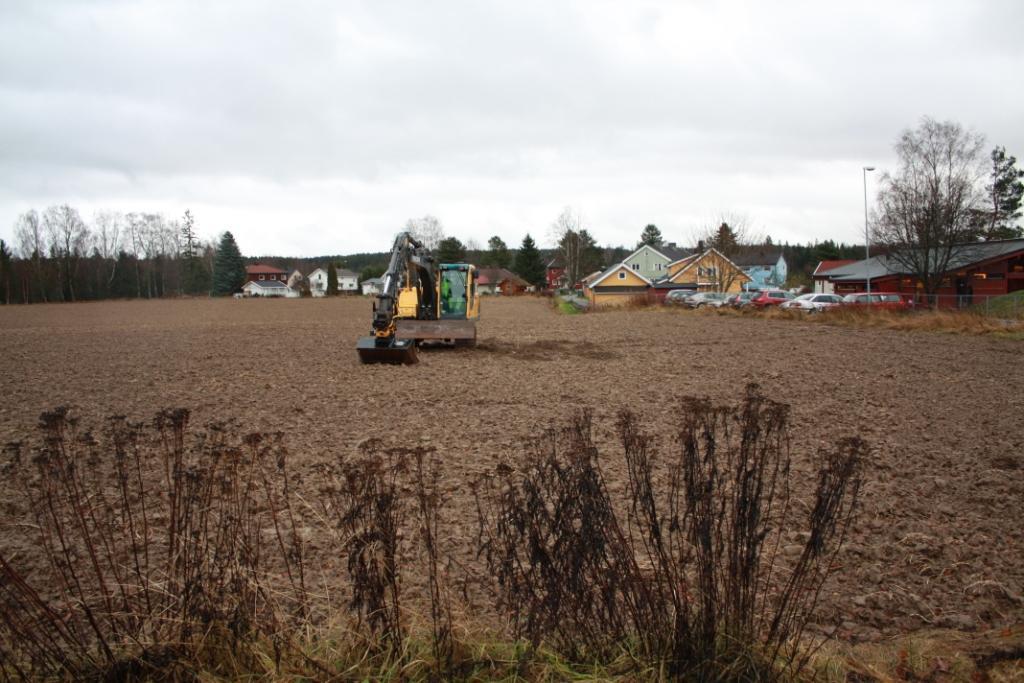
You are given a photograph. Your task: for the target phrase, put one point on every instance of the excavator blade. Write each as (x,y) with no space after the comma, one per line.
(394,352)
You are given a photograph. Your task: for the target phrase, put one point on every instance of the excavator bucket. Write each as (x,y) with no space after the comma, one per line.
(393,351)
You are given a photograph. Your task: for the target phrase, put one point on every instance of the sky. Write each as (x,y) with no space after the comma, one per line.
(311,128)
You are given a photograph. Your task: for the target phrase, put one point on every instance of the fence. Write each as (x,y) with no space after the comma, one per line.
(1004,306)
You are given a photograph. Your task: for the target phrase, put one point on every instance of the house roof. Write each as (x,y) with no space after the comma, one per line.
(556,262)
(266,284)
(670,252)
(373,281)
(886,264)
(696,259)
(757,256)
(345,272)
(495,276)
(614,269)
(825,266)
(260,269)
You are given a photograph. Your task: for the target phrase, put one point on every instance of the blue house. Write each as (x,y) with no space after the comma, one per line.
(766,267)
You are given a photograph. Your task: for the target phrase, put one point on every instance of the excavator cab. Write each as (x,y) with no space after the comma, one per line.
(454,284)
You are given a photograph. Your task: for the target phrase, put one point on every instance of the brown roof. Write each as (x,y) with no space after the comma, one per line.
(260,269)
(825,266)
(495,276)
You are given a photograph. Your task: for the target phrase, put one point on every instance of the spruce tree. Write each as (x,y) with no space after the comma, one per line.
(451,250)
(332,279)
(228,267)
(497,254)
(1005,192)
(651,236)
(529,265)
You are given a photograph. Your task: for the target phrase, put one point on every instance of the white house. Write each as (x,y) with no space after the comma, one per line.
(268,288)
(347,281)
(295,279)
(317,282)
(373,286)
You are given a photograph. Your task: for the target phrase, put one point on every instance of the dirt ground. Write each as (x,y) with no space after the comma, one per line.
(939,543)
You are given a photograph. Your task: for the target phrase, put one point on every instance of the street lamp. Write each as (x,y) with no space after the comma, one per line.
(867,237)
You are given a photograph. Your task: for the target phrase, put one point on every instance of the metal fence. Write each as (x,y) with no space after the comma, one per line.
(1011,307)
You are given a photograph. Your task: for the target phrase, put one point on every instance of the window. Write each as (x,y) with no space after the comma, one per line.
(622,276)
(263,277)
(636,266)
(657,266)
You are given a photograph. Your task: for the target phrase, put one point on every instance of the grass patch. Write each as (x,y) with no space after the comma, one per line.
(951,656)
(566,307)
(1009,306)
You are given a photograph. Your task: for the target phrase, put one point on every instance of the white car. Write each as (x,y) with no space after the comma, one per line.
(812,303)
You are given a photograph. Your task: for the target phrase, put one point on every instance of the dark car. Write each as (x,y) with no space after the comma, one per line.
(741,299)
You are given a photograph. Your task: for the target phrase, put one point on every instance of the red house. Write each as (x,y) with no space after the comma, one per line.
(259,272)
(555,274)
(500,281)
(976,272)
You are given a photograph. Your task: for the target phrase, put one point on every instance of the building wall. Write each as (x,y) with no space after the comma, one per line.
(712,272)
(648,263)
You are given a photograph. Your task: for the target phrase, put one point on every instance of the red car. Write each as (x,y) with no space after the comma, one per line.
(770,297)
(878,300)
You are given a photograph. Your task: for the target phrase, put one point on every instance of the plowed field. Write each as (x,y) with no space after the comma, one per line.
(939,543)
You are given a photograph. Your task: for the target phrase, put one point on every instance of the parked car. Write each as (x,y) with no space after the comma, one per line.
(741,299)
(679,296)
(812,303)
(701,299)
(771,297)
(881,300)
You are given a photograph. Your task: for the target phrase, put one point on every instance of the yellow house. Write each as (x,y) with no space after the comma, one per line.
(616,286)
(708,272)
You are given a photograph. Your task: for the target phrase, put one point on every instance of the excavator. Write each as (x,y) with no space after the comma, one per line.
(420,300)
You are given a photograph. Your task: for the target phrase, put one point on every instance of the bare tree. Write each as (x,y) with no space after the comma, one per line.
(428,230)
(28,230)
(729,234)
(926,209)
(108,229)
(69,241)
(575,245)
(136,224)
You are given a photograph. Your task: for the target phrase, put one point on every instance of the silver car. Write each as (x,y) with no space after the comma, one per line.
(812,303)
(701,299)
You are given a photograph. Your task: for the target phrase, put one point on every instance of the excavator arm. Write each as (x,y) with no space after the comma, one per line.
(408,292)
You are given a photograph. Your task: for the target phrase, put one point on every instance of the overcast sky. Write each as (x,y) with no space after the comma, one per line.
(320,127)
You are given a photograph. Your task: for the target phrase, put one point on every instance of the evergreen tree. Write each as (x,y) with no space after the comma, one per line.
(451,250)
(371,271)
(651,236)
(1005,193)
(332,279)
(724,240)
(497,254)
(228,267)
(5,273)
(529,264)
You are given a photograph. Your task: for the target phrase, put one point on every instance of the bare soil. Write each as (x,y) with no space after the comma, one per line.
(939,542)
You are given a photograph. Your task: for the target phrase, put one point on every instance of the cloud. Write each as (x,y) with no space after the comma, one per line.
(315,128)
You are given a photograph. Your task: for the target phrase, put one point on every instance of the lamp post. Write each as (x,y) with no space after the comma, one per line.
(867,237)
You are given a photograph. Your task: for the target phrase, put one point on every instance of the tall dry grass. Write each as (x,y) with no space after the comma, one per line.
(170,552)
